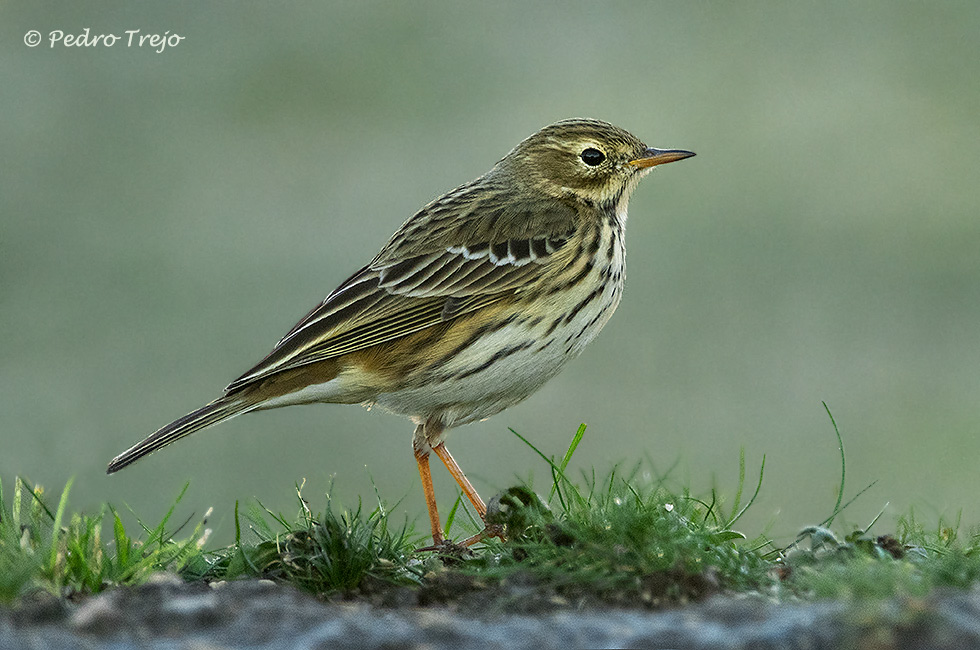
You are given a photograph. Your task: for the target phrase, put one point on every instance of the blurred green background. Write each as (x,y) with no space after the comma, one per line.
(167,217)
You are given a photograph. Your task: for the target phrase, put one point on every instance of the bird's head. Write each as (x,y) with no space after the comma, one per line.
(587,159)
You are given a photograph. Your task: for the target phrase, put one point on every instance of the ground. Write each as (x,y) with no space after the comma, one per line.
(169,613)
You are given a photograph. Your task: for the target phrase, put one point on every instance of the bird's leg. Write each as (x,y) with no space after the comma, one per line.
(422,442)
(490,530)
(422,458)
(464,483)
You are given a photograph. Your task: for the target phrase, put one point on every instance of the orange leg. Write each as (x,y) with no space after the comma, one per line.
(464,483)
(430,496)
(423,434)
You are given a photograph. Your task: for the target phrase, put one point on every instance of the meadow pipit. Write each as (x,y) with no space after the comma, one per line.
(476,301)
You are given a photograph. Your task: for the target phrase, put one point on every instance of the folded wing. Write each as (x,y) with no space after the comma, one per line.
(410,285)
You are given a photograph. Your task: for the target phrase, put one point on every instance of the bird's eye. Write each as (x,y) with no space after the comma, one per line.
(592,157)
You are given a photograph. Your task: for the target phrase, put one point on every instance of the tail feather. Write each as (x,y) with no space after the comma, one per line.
(217,411)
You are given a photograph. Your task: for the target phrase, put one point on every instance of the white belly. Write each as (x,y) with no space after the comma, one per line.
(506,366)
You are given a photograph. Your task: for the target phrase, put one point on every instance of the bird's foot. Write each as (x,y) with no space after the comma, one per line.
(491,530)
(461,548)
(448,551)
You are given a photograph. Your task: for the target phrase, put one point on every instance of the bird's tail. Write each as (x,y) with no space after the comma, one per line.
(219,410)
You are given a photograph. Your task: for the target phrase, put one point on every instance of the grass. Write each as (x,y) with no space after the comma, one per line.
(622,538)
(332,552)
(67,555)
(619,539)
(864,566)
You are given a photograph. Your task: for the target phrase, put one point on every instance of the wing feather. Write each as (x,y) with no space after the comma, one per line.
(417,281)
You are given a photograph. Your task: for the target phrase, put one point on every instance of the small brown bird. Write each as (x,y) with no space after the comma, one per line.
(478,299)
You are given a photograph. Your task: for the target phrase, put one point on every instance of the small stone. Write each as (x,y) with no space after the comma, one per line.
(98,616)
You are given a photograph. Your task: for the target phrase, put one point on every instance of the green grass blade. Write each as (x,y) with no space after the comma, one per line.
(577,438)
(527,442)
(238,526)
(876,518)
(15,505)
(741,479)
(156,535)
(452,514)
(840,443)
(837,511)
(556,473)
(37,501)
(758,486)
(56,532)
(122,541)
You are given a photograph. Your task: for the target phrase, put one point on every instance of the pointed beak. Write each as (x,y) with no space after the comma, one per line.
(652,157)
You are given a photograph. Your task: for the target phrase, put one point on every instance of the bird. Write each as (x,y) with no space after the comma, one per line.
(475,302)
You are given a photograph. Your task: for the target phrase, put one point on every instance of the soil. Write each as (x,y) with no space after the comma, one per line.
(457,613)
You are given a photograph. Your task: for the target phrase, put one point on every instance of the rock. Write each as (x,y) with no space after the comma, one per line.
(259,615)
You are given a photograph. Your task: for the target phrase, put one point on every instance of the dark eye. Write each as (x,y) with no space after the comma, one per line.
(592,157)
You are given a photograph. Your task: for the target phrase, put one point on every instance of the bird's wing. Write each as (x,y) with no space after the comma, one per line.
(426,275)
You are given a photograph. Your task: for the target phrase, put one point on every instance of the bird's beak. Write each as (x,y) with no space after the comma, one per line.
(652,157)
